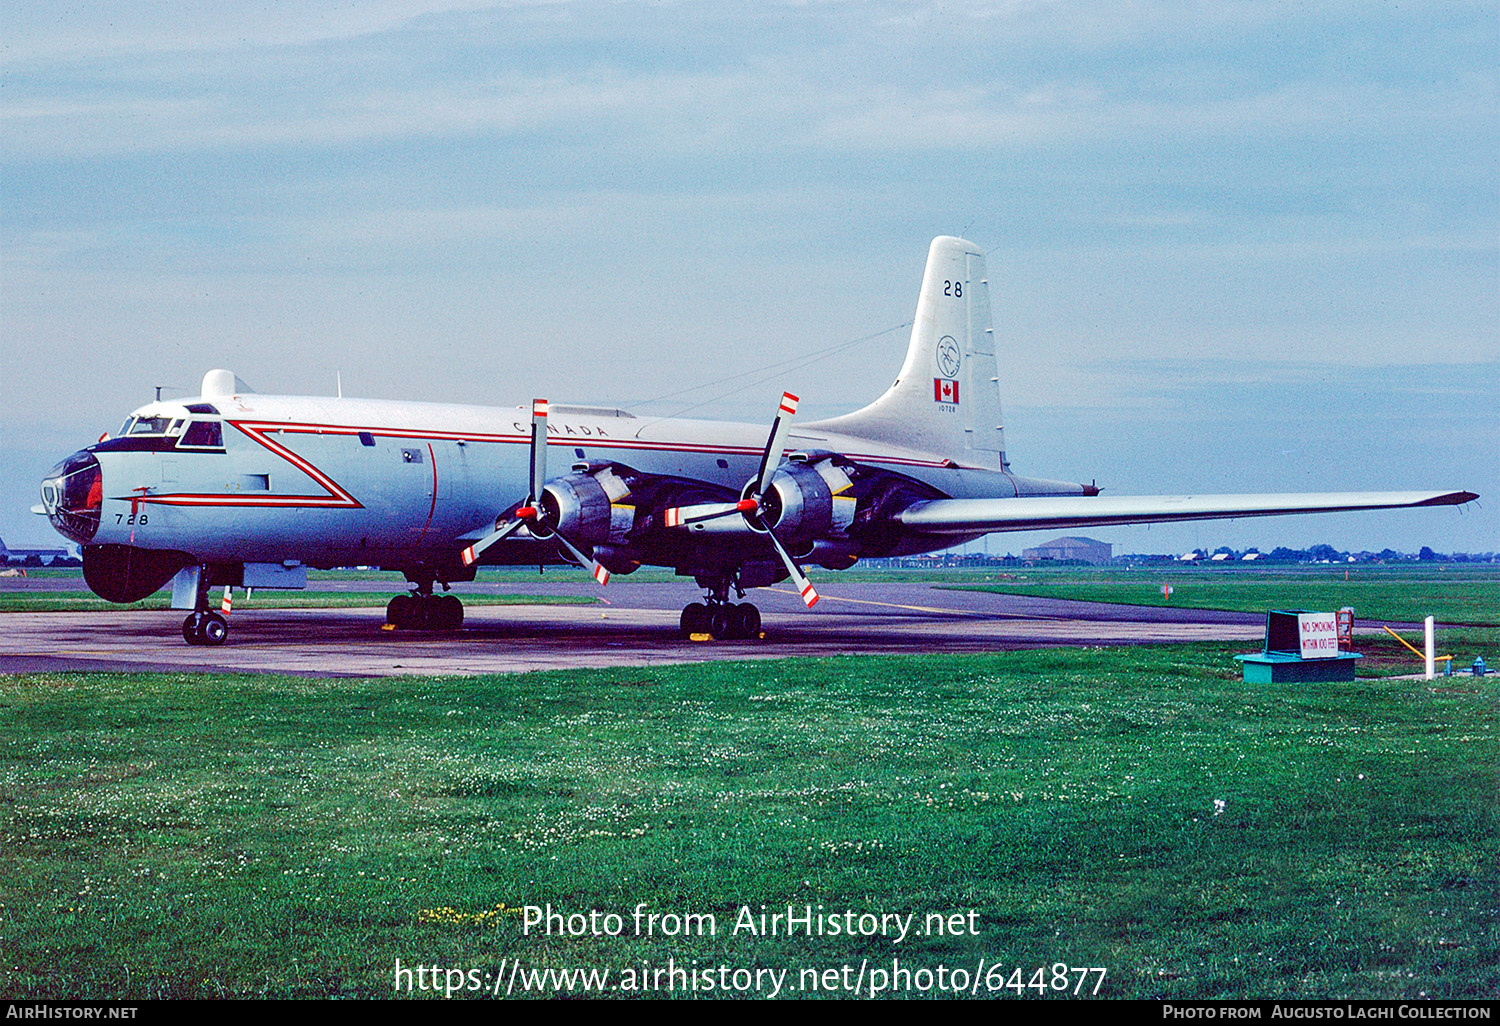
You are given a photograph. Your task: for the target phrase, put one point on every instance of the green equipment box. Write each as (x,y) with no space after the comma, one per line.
(1300,646)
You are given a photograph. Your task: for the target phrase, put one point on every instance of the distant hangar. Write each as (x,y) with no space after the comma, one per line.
(1081,550)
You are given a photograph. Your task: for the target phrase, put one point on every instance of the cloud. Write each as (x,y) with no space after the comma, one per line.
(701,77)
(593,195)
(123,30)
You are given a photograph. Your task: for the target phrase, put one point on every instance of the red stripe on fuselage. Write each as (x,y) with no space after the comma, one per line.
(571,440)
(338,498)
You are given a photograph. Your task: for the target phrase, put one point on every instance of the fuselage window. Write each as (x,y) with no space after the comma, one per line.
(204,434)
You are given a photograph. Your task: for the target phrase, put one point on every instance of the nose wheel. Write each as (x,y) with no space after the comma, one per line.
(206,628)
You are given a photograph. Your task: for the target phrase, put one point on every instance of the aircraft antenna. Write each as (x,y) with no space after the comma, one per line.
(338,377)
(776,370)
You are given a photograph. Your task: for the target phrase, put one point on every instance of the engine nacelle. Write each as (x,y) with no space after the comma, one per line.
(831,554)
(618,559)
(823,507)
(810,498)
(589,506)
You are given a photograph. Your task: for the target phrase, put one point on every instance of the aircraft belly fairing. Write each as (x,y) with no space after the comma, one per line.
(229,480)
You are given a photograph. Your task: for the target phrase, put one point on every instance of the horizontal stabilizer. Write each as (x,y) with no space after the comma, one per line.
(977,516)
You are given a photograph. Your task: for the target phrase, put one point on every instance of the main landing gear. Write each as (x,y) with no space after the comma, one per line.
(425,612)
(421,610)
(204,626)
(716,615)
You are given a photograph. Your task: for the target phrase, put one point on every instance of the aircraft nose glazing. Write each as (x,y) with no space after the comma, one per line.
(72,496)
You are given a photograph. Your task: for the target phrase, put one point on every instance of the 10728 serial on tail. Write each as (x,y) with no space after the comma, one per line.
(232,488)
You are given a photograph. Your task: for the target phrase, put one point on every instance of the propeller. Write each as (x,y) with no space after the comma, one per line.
(750,505)
(530,512)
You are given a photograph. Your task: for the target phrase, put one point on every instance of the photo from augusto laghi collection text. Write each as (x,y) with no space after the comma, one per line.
(867,977)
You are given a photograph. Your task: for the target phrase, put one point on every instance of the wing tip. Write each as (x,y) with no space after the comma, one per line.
(1450,499)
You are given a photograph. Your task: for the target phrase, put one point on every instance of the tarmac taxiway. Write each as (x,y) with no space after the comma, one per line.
(628,625)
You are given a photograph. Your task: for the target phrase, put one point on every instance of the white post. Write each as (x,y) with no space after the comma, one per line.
(1427,634)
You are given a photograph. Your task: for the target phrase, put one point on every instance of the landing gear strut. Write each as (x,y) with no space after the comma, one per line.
(717,616)
(204,626)
(421,610)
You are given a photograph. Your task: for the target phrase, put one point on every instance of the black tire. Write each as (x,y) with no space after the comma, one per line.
(736,627)
(190,630)
(214,629)
(419,613)
(694,619)
(403,612)
(452,612)
(721,622)
(748,618)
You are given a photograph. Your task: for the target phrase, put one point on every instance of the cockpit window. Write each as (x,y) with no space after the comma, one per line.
(146,426)
(207,434)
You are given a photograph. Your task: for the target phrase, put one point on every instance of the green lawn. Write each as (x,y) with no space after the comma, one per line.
(1453,594)
(1141,811)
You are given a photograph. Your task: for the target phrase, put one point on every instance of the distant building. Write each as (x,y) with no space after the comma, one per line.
(1079,550)
(38,557)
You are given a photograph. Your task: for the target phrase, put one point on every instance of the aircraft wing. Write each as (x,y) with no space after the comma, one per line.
(975,516)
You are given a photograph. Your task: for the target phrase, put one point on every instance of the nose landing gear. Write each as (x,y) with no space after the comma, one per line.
(204,626)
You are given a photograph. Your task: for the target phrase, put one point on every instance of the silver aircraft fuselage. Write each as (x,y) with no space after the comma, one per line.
(337,482)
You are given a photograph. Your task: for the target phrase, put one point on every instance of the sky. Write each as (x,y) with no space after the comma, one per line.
(1233,246)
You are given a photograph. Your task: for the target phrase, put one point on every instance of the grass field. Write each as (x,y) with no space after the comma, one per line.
(1141,811)
(1453,594)
(1468,596)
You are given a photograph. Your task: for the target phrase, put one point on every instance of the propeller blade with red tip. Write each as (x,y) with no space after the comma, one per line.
(684,516)
(592,565)
(804,586)
(780,427)
(471,554)
(538,450)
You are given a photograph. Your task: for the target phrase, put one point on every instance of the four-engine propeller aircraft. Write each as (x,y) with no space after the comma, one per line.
(236,489)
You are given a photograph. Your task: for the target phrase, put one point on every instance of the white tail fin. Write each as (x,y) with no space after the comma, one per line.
(946,400)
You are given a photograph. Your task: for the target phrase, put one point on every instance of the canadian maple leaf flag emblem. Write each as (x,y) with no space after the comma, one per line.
(944,391)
